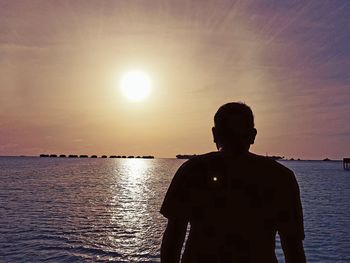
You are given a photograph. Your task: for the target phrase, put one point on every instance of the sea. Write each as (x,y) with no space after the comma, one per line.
(107,210)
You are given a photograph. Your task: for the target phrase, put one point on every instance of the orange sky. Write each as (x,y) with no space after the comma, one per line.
(60,63)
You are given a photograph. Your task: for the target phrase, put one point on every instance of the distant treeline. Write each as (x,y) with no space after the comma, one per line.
(185,156)
(94,156)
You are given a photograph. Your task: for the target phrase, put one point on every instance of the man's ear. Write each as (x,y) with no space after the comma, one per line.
(213,130)
(252,136)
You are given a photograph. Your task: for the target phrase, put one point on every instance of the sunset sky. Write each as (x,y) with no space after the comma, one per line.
(61,63)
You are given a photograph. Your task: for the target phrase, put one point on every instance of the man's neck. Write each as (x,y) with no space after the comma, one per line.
(234,152)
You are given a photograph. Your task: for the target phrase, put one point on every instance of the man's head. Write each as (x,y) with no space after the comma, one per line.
(234,127)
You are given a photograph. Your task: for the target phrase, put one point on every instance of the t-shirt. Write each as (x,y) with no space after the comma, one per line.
(235,207)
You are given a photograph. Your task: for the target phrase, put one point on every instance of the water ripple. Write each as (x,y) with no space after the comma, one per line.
(103,210)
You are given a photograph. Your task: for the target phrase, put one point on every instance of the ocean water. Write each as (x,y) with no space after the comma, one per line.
(106,210)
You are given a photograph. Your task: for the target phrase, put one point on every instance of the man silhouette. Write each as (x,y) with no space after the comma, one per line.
(234,200)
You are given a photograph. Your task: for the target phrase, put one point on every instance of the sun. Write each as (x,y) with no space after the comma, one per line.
(135,85)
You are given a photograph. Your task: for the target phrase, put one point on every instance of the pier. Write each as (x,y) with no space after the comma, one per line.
(346,163)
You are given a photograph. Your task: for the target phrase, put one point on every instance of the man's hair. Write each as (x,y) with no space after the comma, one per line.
(234,118)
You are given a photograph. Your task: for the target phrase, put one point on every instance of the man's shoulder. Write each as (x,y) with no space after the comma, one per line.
(253,162)
(199,162)
(258,160)
(203,158)
(270,163)
(206,157)
(271,169)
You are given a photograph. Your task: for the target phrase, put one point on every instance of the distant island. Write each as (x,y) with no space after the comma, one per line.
(178,156)
(185,156)
(43,155)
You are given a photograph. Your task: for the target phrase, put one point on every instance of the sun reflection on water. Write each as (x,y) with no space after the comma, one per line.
(130,203)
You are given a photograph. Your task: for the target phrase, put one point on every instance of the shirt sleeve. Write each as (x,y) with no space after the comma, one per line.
(176,204)
(290,214)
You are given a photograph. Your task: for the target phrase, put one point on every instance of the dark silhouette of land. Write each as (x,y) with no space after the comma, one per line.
(235,201)
(185,156)
(148,157)
(95,156)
